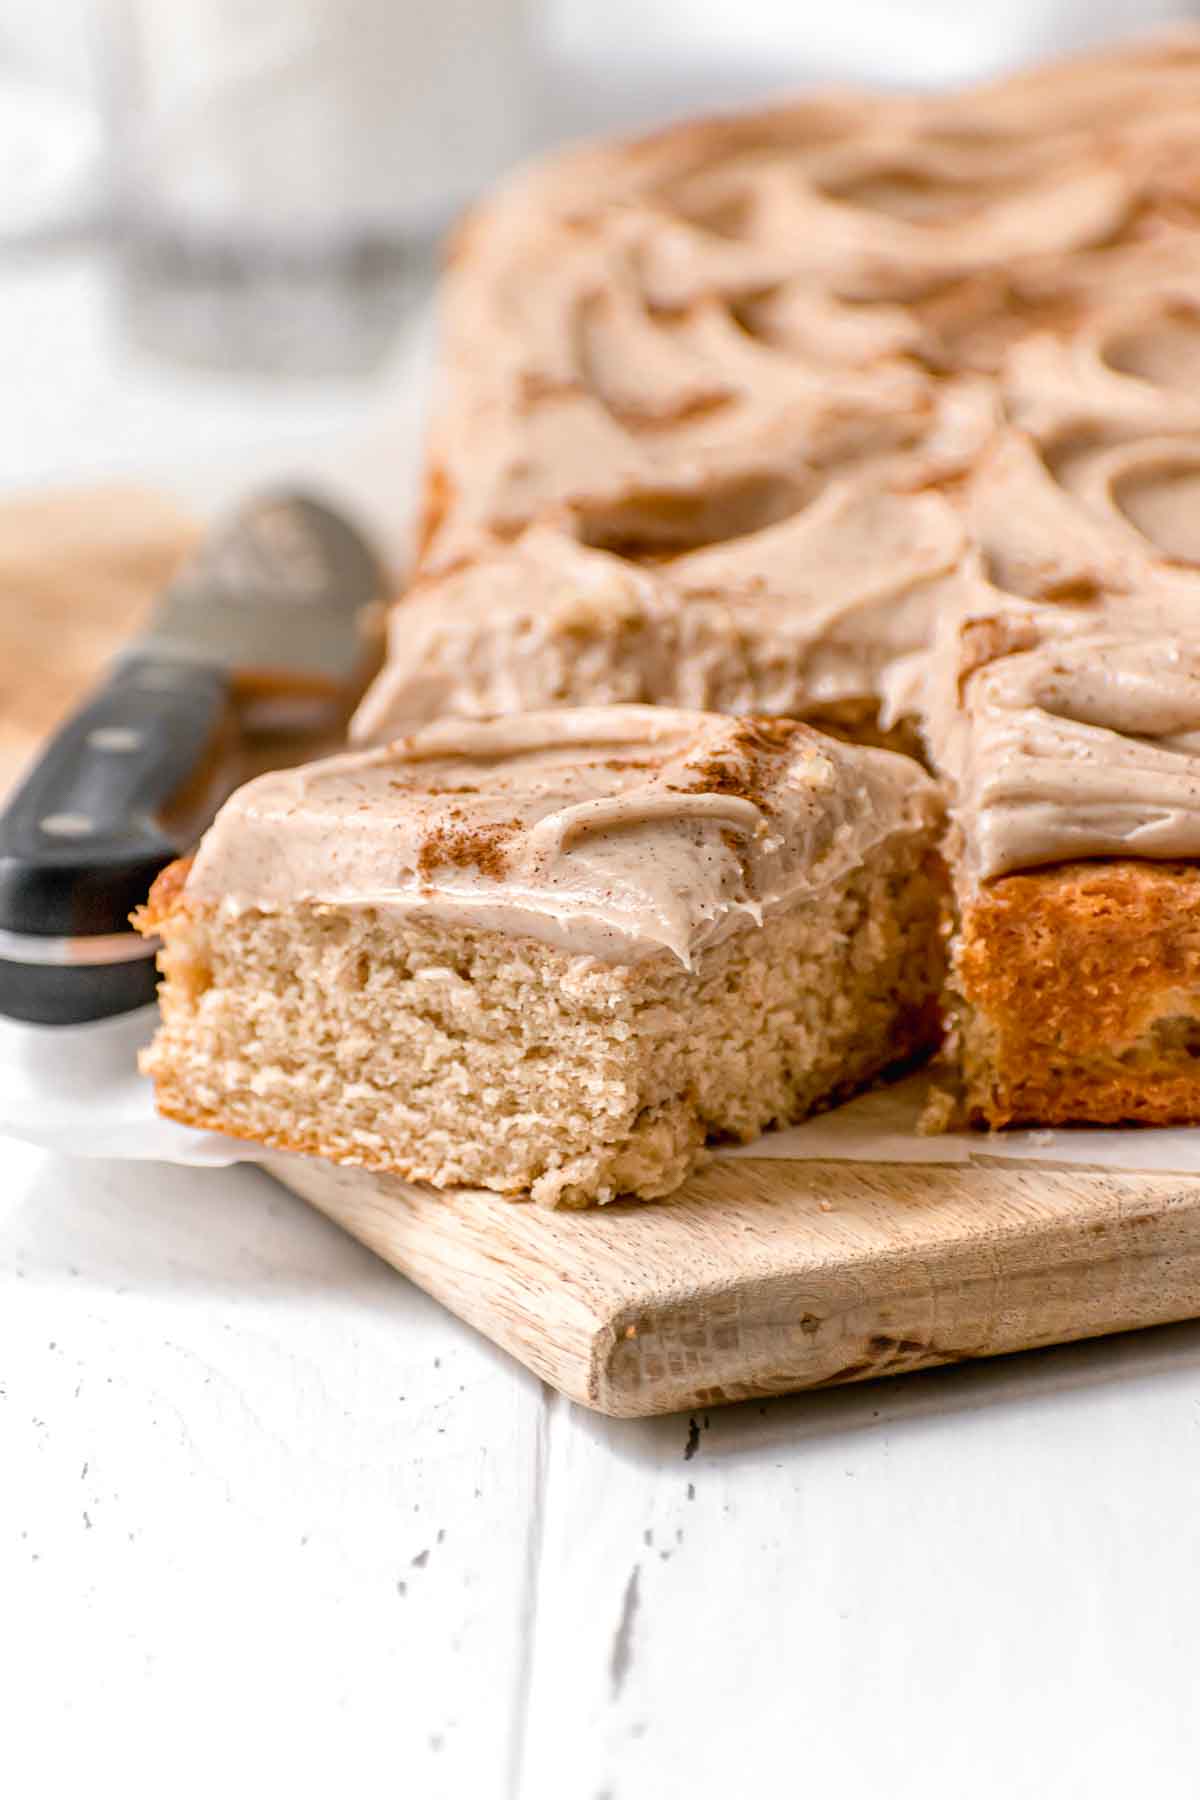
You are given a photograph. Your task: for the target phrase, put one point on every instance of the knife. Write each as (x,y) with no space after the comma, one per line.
(265,629)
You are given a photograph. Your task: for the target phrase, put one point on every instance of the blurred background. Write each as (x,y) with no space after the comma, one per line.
(216,216)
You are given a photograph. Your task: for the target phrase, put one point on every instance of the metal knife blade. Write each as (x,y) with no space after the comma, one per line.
(263,627)
(277,598)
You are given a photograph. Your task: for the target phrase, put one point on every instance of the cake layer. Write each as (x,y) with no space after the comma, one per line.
(1076,995)
(856,411)
(1062,707)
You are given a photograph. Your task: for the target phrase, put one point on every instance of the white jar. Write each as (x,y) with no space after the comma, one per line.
(275,152)
(319,116)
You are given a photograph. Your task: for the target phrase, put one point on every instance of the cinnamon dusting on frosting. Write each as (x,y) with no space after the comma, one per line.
(459,846)
(611,856)
(1065,715)
(740,768)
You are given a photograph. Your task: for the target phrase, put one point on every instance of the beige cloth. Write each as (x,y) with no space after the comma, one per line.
(78,570)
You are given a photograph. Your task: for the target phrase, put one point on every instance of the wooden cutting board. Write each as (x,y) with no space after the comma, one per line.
(759,1277)
(764,1277)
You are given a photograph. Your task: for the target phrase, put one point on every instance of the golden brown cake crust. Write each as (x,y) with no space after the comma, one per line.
(1082,991)
(164,897)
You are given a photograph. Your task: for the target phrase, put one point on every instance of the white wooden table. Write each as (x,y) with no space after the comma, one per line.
(273,1523)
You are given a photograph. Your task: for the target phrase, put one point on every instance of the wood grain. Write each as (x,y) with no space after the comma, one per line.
(762,1278)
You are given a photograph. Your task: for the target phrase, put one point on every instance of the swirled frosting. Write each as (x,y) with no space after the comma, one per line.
(808,613)
(1081,747)
(699,389)
(750,414)
(1063,697)
(629,326)
(614,832)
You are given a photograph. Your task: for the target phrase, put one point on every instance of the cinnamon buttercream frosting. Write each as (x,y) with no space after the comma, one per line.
(1129,367)
(1081,747)
(787,291)
(612,832)
(805,614)
(1098,521)
(698,390)
(1062,700)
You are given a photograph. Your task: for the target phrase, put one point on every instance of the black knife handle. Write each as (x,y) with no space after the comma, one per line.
(49,994)
(122,788)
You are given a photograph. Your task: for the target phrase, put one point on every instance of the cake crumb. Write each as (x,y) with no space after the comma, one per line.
(941,1112)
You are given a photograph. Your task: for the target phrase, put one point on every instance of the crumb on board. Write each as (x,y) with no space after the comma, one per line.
(939,1113)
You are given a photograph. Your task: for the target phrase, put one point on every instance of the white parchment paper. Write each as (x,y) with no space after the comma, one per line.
(76,1089)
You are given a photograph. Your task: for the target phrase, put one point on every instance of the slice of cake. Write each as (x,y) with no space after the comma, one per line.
(1077,955)
(551,954)
(1063,713)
